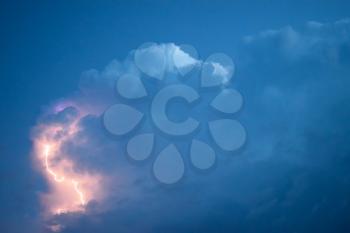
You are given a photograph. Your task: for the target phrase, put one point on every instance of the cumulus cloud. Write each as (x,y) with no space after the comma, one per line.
(295,83)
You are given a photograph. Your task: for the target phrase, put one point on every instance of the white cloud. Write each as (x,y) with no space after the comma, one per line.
(183,59)
(220,70)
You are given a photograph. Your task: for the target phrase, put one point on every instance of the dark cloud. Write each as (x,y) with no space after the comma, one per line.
(293,174)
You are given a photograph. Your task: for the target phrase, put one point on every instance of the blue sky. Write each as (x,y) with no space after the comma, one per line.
(292,60)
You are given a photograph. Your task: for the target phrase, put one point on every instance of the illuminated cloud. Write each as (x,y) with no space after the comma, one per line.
(71,149)
(70,190)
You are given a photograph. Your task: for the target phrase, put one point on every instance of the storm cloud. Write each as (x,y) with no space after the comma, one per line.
(291,176)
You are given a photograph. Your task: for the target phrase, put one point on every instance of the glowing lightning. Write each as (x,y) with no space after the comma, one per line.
(81,195)
(69,189)
(48,169)
(47,150)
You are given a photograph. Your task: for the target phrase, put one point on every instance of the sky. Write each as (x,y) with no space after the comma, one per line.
(59,60)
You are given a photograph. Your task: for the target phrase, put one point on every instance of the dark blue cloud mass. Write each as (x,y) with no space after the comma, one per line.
(292,176)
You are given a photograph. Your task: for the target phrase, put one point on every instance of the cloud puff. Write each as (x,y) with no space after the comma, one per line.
(326,42)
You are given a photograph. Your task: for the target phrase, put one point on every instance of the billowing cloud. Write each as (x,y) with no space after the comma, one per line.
(295,83)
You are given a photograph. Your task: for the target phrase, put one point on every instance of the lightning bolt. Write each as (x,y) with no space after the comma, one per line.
(60,179)
(81,194)
(69,189)
(47,149)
